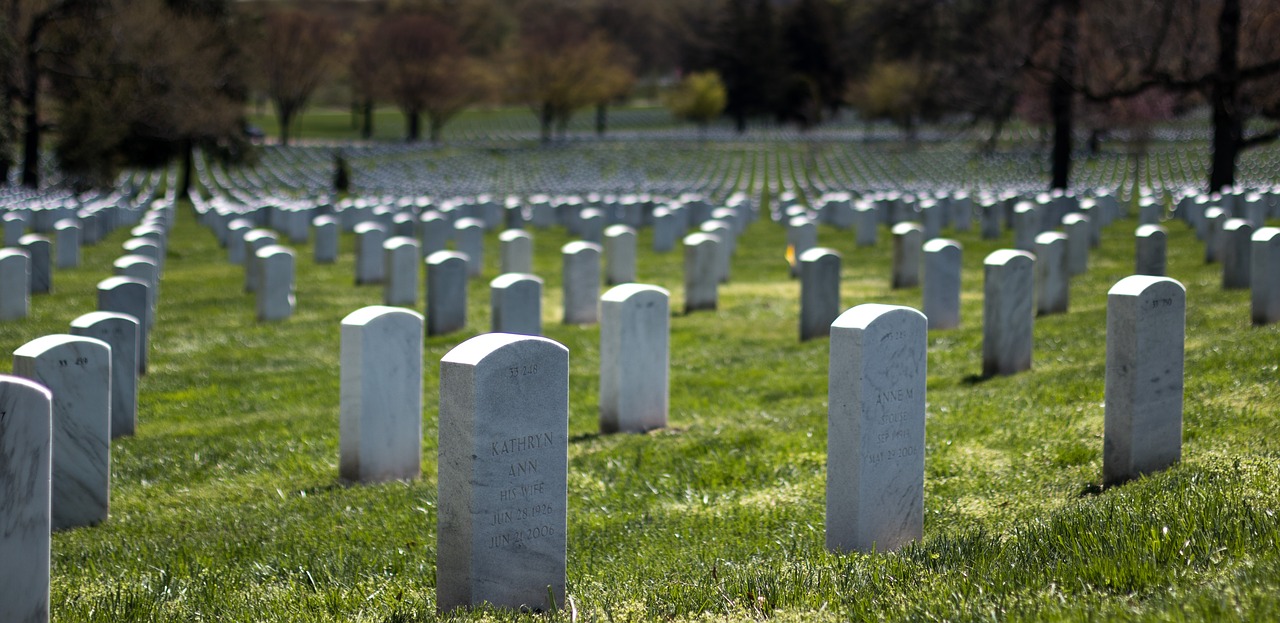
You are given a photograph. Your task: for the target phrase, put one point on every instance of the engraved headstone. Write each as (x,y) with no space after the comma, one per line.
(129,296)
(1053,285)
(515,302)
(819,292)
(581,282)
(875,429)
(634,360)
(120,332)
(1236,241)
(1146,330)
(401,285)
(26,450)
(380,399)
(275,296)
(701,285)
(446,292)
(515,246)
(1008,311)
(40,251)
(503,473)
(619,254)
(325,250)
(1149,257)
(77,372)
(942,283)
(908,239)
(370,256)
(1264,275)
(15,284)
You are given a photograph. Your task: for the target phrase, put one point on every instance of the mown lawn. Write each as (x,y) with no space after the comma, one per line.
(226,506)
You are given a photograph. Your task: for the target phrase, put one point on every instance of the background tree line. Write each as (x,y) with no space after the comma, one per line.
(139,82)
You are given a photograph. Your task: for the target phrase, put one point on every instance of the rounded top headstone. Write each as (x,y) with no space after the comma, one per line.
(481,347)
(441,257)
(1137,285)
(507,279)
(818,253)
(365,315)
(905,228)
(937,244)
(84,321)
(627,290)
(618,230)
(1008,256)
(513,234)
(43,344)
(580,246)
(397,242)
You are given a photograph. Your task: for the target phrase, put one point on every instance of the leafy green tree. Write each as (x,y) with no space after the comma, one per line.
(700,98)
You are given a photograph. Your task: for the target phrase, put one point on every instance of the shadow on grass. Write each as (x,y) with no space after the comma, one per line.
(977,379)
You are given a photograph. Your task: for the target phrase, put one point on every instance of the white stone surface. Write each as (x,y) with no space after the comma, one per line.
(469,234)
(619,254)
(802,235)
(77,372)
(145,268)
(1026,225)
(581,282)
(380,415)
(666,230)
(634,358)
(1149,253)
(67,242)
(515,250)
(40,250)
(436,232)
(254,240)
(236,230)
(1053,284)
(503,473)
(701,287)
(1264,276)
(867,223)
(1146,329)
(15,226)
(370,258)
(1077,228)
(325,250)
(15,284)
(942,283)
(515,304)
(129,296)
(26,449)
(875,429)
(446,292)
(1008,311)
(148,246)
(401,285)
(276,267)
(1214,218)
(819,292)
(908,240)
(120,332)
(1236,243)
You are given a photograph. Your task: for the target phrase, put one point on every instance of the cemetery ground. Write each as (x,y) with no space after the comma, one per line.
(227,506)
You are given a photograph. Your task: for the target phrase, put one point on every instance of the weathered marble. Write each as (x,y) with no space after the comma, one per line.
(77,372)
(121,333)
(515,249)
(634,360)
(130,296)
(1053,283)
(145,268)
(1235,250)
(380,416)
(875,429)
(276,267)
(515,303)
(469,234)
(26,450)
(149,246)
(67,243)
(1008,311)
(15,284)
(701,285)
(581,282)
(40,250)
(325,250)
(942,283)
(503,473)
(1150,254)
(446,292)
(619,254)
(819,292)
(1146,329)
(1264,276)
(401,285)
(908,239)
(370,258)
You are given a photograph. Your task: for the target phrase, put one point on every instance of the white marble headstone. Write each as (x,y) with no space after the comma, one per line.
(1146,329)
(1008,311)
(77,372)
(515,304)
(276,267)
(908,241)
(1053,284)
(370,257)
(67,239)
(15,284)
(701,286)
(1149,256)
(381,395)
(41,252)
(446,292)
(469,233)
(942,283)
(619,254)
(1077,228)
(1264,276)
(503,473)
(120,332)
(1236,243)
(401,286)
(581,282)
(819,292)
(26,449)
(634,360)
(129,296)
(325,250)
(875,429)
(515,246)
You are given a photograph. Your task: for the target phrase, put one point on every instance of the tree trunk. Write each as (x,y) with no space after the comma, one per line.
(1228,124)
(740,121)
(436,126)
(1061,94)
(286,121)
(188,169)
(31,121)
(602,118)
(415,125)
(545,119)
(366,110)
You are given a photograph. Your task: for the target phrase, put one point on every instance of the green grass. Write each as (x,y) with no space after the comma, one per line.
(226,506)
